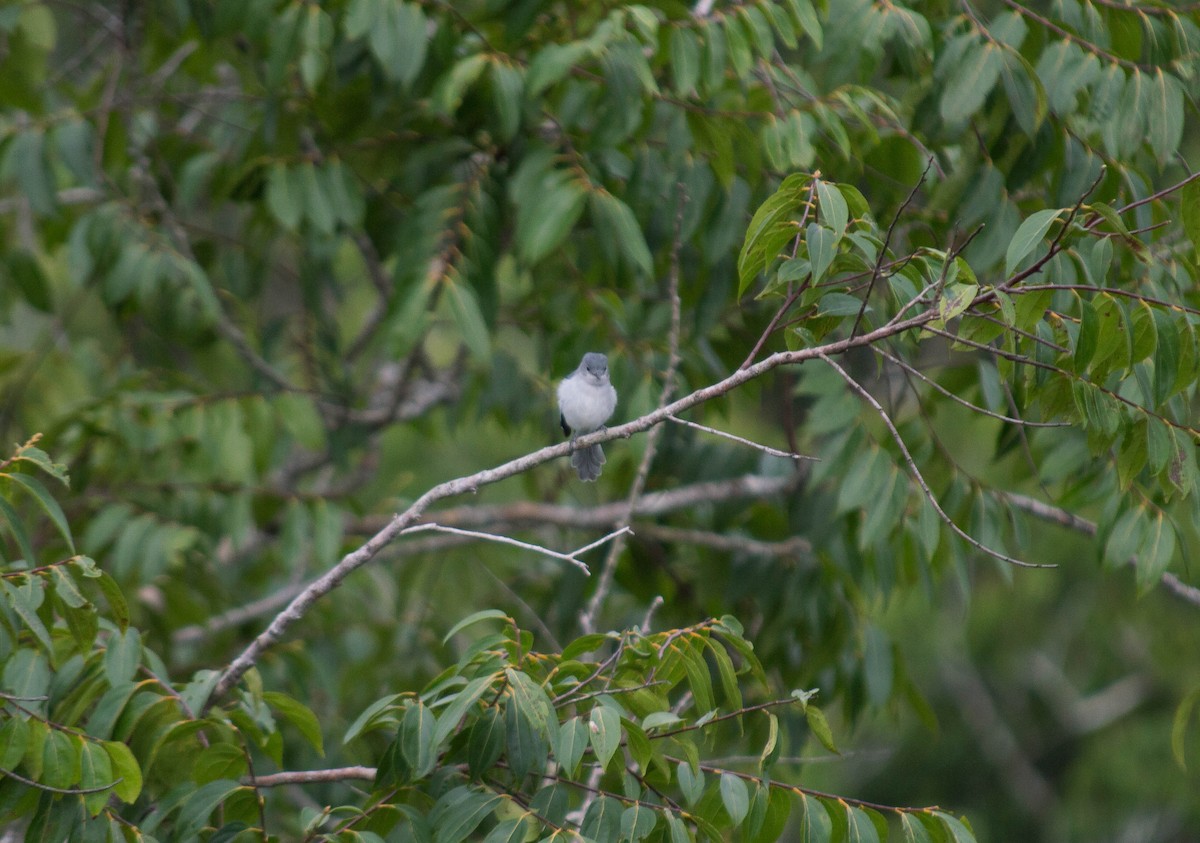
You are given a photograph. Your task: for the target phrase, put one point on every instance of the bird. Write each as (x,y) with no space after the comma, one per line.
(586,400)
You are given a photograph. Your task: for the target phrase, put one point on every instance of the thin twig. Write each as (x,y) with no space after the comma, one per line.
(912,370)
(587,621)
(352,561)
(775,452)
(916,472)
(1057,515)
(887,239)
(492,537)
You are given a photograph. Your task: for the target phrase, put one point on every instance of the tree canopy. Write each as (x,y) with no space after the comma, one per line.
(900,302)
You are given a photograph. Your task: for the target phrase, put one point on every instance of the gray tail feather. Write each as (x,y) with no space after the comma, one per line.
(587,462)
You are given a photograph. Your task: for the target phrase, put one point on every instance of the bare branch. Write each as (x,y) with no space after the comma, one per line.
(912,370)
(544,551)
(332,578)
(916,472)
(775,452)
(338,774)
(1057,515)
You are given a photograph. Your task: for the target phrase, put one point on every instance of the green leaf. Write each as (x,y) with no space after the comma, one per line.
(772,226)
(116,600)
(637,821)
(822,249)
(544,221)
(317,208)
(860,827)
(284,196)
(474,618)
(460,812)
(913,830)
(416,740)
(468,318)
(1028,235)
(220,761)
(1179,726)
(47,503)
(60,759)
(449,719)
(815,825)
(1165,115)
(126,769)
(551,64)
(199,805)
(685,60)
(17,528)
(616,222)
(299,715)
(398,37)
(514,830)
(122,656)
(691,782)
(569,742)
(955,300)
(486,741)
(452,87)
(605,732)
(26,160)
(735,797)
(1156,552)
(508,85)
(25,598)
(970,81)
(834,212)
(1189,211)
(958,831)
(602,820)
(14,741)
(1086,339)
(820,727)
(95,771)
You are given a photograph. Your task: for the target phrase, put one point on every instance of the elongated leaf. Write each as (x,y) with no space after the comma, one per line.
(685,60)
(460,812)
(25,598)
(820,727)
(17,528)
(735,797)
(615,220)
(1179,727)
(474,618)
(126,769)
(1189,203)
(569,742)
(449,719)
(1030,233)
(637,821)
(464,306)
(605,732)
(1156,552)
(770,229)
(968,85)
(299,715)
(122,656)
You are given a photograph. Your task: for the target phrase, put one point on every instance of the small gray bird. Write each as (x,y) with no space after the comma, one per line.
(586,400)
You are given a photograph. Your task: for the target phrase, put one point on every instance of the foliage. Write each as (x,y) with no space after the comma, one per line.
(274,272)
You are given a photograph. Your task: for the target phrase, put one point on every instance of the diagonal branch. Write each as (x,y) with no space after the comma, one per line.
(916,472)
(354,560)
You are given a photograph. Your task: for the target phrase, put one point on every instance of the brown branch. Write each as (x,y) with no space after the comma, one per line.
(916,472)
(1063,518)
(338,774)
(352,561)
